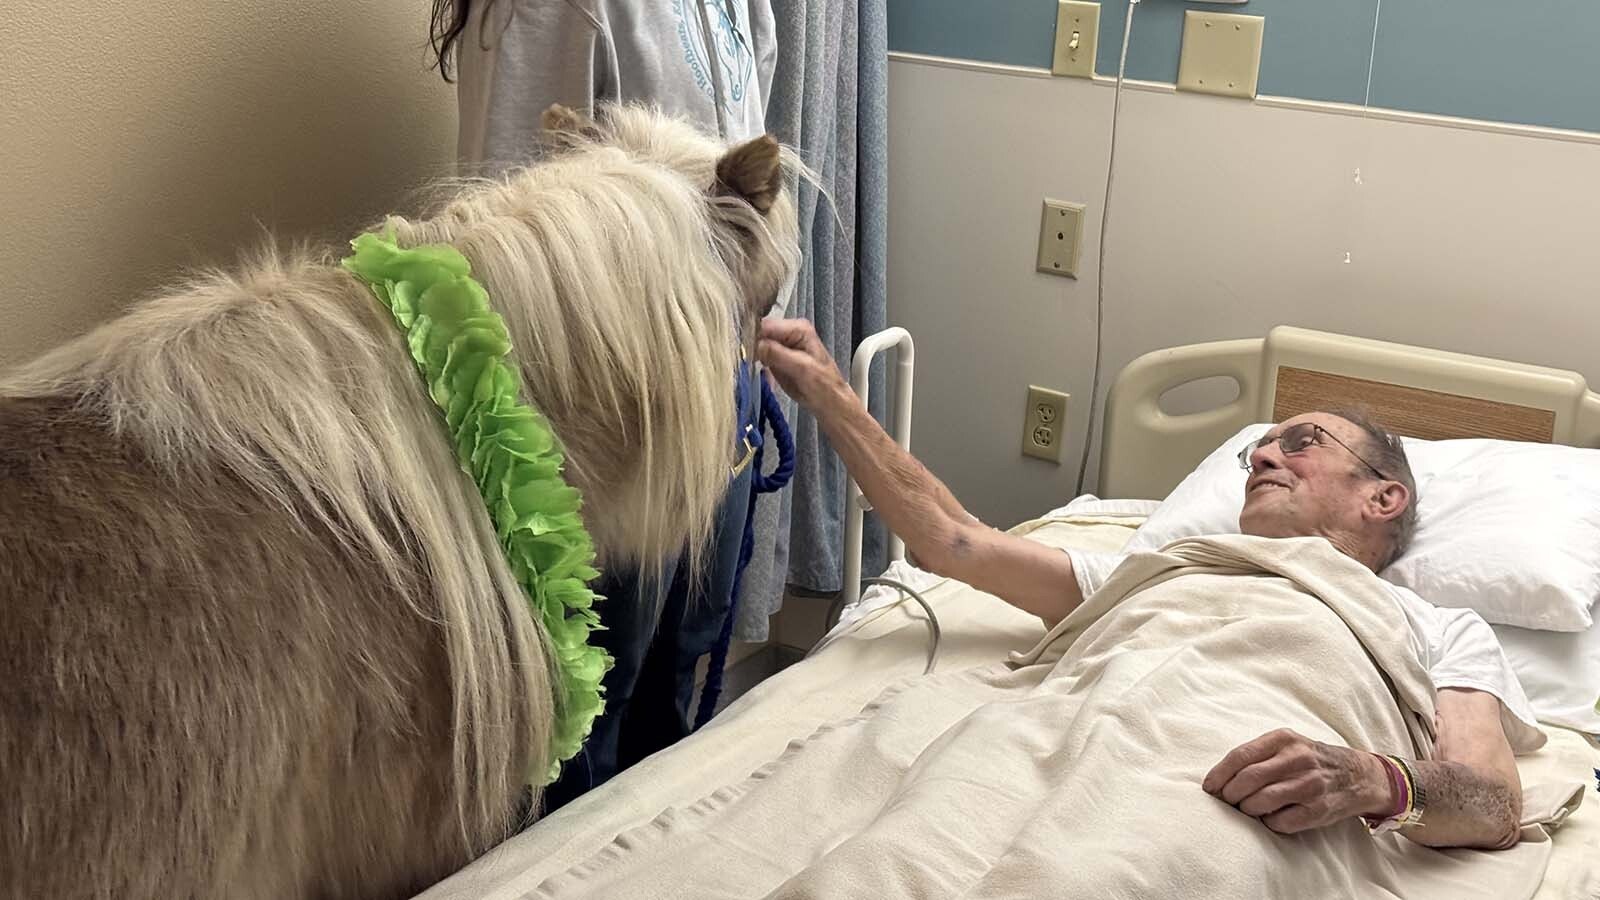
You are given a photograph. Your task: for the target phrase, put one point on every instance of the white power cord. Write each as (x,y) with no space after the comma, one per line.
(1100,277)
(934,633)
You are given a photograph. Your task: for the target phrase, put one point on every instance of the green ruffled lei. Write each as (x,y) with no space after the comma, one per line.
(460,346)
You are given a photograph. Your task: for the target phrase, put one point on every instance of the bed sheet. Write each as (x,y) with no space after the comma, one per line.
(884,642)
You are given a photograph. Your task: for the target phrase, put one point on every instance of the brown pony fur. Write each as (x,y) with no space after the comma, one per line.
(256,637)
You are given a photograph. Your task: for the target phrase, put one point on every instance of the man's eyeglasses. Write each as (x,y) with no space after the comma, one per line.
(1298,439)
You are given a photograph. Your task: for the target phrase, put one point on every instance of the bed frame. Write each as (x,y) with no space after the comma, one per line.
(856,505)
(1430,394)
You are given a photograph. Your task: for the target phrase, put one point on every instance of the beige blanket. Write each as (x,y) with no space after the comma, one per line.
(1077,772)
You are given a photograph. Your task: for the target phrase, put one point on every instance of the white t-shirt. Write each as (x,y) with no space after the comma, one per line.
(1456,646)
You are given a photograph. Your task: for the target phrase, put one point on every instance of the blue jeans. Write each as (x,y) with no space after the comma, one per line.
(650,691)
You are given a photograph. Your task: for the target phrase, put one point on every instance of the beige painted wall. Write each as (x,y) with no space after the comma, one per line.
(1228,218)
(140,137)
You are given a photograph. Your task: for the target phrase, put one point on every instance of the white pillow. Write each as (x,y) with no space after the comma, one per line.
(1511,530)
(1559,671)
(1207,501)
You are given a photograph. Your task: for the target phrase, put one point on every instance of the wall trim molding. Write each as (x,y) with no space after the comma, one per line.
(973,65)
(1316,106)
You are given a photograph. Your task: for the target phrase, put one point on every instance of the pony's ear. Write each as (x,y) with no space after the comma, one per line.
(752,171)
(559,119)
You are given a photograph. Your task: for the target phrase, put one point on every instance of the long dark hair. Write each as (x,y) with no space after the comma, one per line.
(444,32)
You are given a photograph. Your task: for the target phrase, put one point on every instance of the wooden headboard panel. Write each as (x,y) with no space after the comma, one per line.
(1415,391)
(1411,411)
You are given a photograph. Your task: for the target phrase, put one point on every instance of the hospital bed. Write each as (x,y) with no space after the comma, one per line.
(881,640)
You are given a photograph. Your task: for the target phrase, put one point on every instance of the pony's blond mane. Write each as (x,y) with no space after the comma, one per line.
(614,262)
(623,278)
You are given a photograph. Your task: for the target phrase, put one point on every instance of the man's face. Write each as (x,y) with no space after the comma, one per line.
(1323,489)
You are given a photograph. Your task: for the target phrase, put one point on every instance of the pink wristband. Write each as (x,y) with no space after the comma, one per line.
(1397,780)
(1401,790)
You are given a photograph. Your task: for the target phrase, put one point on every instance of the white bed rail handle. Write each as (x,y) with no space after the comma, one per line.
(856,503)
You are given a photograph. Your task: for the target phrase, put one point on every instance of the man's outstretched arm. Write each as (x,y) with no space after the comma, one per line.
(939,533)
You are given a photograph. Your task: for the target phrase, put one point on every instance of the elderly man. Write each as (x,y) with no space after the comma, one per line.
(1316,475)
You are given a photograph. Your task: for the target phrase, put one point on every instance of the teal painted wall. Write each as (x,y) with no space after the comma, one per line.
(1448,57)
(1020,32)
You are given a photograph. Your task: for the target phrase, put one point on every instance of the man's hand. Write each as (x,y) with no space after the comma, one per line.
(942,536)
(791,350)
(1293,784)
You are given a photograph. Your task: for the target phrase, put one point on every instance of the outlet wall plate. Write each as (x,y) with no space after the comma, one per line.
(1221,53)
(1077,38)
(1060,237)
(1044,423)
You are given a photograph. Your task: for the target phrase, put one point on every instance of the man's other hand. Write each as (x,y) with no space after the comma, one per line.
(1293,783)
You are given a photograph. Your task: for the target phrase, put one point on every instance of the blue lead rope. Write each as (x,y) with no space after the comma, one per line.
(771,415)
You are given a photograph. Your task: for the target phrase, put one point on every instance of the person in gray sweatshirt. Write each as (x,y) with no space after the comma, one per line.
(709,61)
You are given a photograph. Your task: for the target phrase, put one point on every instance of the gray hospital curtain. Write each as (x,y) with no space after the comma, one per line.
(829,100)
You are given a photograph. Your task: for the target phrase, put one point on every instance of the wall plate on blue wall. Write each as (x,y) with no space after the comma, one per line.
(1077,38)
(1221,53)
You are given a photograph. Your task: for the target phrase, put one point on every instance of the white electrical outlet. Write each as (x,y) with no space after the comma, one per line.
(1060,233)
(1044,423)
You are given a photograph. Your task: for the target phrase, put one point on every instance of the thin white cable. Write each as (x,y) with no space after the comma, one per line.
(1366,114)
(1100,277)
(1372,55)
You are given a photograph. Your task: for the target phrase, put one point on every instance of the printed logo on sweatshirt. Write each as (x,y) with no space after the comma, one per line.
(732,53)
